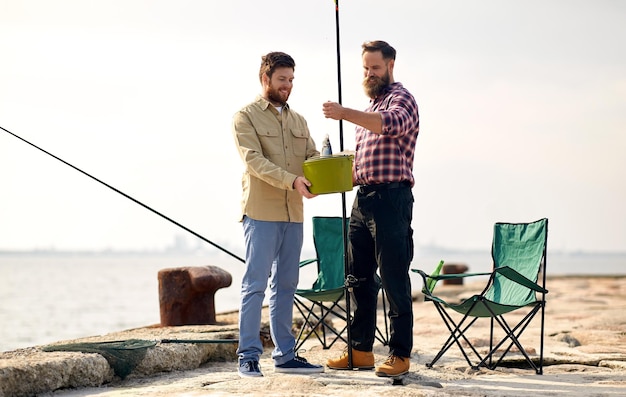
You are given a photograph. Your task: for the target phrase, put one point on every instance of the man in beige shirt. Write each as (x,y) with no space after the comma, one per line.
(273,142)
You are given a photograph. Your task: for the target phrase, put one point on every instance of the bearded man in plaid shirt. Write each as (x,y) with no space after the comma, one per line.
(380,234)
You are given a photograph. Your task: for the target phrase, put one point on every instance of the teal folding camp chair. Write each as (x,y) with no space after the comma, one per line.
(519,257)
(325,300)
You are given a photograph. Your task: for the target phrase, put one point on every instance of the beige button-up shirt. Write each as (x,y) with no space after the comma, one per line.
(273,147)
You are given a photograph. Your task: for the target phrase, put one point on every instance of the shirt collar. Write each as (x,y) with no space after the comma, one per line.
(264,103)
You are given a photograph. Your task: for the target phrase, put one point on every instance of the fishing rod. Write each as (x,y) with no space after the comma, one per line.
(350,281)
(339,99)
(126,195)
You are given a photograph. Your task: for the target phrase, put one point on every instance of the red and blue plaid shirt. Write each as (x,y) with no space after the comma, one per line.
(388,157)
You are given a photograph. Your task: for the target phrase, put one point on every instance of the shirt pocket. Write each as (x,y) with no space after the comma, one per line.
(299,141)
(271,140)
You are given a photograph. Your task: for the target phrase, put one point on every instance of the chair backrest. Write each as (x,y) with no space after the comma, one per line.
(328,240)
(522,247)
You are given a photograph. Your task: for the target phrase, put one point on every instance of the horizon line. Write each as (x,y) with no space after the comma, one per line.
(428,249)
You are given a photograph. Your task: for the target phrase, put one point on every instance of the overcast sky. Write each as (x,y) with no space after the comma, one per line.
(522,105)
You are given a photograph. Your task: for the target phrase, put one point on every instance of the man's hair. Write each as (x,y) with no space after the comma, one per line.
(378,45)
(274,60)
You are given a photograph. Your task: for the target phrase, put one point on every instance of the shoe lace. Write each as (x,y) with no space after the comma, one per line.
(300,359)
(252,366)
(391,359)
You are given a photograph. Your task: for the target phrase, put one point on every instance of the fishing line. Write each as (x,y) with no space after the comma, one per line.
(127,196)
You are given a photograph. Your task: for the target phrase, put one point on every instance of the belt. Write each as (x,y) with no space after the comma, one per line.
(364,189)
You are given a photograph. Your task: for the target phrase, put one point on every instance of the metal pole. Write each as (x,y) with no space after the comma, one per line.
(349,278)
(338,72)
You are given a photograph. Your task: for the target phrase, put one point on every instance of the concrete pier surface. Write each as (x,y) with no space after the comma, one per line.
(585,354)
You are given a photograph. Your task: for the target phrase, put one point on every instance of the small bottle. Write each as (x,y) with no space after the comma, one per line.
(326,149)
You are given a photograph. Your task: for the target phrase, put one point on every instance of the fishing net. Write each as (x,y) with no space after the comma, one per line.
(122,356)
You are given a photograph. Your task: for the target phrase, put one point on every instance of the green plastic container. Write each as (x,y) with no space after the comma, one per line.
(329,174)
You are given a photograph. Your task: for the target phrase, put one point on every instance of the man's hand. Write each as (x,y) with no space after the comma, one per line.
(301,184)
(333,110)
(372,121)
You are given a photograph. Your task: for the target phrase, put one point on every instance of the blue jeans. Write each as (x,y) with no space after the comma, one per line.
(272,254)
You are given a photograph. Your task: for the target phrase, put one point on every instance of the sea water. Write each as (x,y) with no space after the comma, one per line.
(50,297)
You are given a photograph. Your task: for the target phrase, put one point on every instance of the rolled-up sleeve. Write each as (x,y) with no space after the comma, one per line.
(401,116)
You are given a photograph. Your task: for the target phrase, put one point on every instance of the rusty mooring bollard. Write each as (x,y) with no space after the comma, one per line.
(454,268)
(187,294)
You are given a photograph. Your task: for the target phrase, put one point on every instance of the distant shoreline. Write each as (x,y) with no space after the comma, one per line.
(424,250)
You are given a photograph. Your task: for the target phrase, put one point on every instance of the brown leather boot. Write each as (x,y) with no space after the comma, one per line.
(360,360)
(393,366)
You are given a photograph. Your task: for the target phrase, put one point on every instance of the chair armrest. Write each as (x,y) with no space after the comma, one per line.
(430,280)
(307,262)
(425,290)
(429,285)
(519,278)
(459,275)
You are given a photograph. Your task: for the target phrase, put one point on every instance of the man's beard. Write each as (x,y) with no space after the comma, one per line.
(276,97)
(374,86)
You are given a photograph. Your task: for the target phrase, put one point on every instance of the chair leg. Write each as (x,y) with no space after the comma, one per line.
(338,334)
(306,313)
(456,333)
(312,321)
(490,343)
(513,335)
(543,308)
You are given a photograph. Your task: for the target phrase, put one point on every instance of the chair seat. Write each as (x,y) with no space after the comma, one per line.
(478,306)
(329,295)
